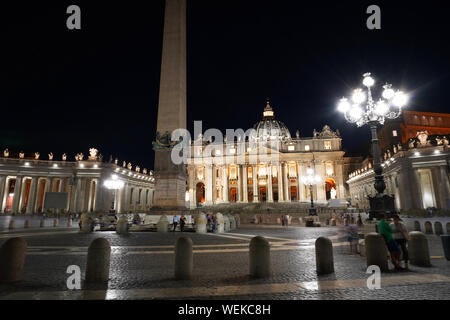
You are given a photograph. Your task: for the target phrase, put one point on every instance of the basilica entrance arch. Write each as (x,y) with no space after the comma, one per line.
(330,189)
(262,194)
(233,194)
(200,193)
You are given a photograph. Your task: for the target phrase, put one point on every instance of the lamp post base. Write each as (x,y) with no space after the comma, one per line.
(312,212)
(381,204)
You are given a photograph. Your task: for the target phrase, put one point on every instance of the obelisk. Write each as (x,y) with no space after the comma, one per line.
(170,186)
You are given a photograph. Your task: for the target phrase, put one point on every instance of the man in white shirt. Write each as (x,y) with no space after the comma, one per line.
(176,219)
(400,235)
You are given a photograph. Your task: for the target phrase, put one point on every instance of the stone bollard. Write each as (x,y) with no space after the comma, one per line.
(259,257)
(122,225)
(200,223)
(86,223)
(41,224)
(69,222)
(226,223)
(12,259)
(183,259)
(333,222)
(418,249)
(11,225)
(97,266)
(375,248)
(55,222)
(26,224)
(220,223)
(324,256)
(163,224)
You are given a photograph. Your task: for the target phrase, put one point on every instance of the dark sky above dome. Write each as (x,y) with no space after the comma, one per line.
(67,91)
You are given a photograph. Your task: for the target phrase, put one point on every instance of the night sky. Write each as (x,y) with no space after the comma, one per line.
(68,90)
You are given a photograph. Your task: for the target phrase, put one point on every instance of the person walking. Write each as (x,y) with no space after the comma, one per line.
(286,221)
(208,222)
(182,222)
(386,231)
(282,220)
(360,223)
(401,236)
(176,219)
(214,223)
(353,237)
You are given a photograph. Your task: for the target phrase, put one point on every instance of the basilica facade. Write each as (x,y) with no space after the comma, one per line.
(279,177)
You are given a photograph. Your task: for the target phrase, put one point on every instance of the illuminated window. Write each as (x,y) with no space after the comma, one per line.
(291,148)
(232,151)
(327,145)
(200,173)
(250,172)
(233,173)
(292,171)
(394,133)
(274,172)
(307,147)
(329,169)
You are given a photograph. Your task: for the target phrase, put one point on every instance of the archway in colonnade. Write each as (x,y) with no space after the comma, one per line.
(428,227)
(200,193)
(9,195)
(438,228)
(417,226)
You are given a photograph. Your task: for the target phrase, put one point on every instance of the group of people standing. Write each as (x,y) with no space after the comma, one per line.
(181,220)
(396,237)
(211,222)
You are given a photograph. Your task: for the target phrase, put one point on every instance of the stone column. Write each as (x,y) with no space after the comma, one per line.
(269,183)
(339,167)
(244,184)
(225,183)
(239,181)
(192,190)
(80,195)
(209,184)
(445,186)
(280,184)
(299,183)
(2,191)
(416,190)
(17,193)
(320,171)
(32,195)
(286,182)
(255,185)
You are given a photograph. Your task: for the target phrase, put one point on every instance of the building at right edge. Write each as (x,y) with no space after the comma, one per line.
(416,159)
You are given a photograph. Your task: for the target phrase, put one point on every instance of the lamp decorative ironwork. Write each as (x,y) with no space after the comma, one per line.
(362,109)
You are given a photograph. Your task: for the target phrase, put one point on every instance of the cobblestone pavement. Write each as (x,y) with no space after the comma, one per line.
(142,266)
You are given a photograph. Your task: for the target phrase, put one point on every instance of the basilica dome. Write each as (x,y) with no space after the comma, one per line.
(269,128)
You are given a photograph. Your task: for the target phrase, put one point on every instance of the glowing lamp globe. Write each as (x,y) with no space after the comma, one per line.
(358,96)
(355,112)
(381,108)
(368,81)
(388,93)
(343,105)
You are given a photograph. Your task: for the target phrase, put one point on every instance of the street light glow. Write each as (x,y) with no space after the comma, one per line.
(400,99)
(358,96)
(343,105)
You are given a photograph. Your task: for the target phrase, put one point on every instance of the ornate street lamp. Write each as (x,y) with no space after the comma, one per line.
(311,179)
(362,109)
(114,184)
